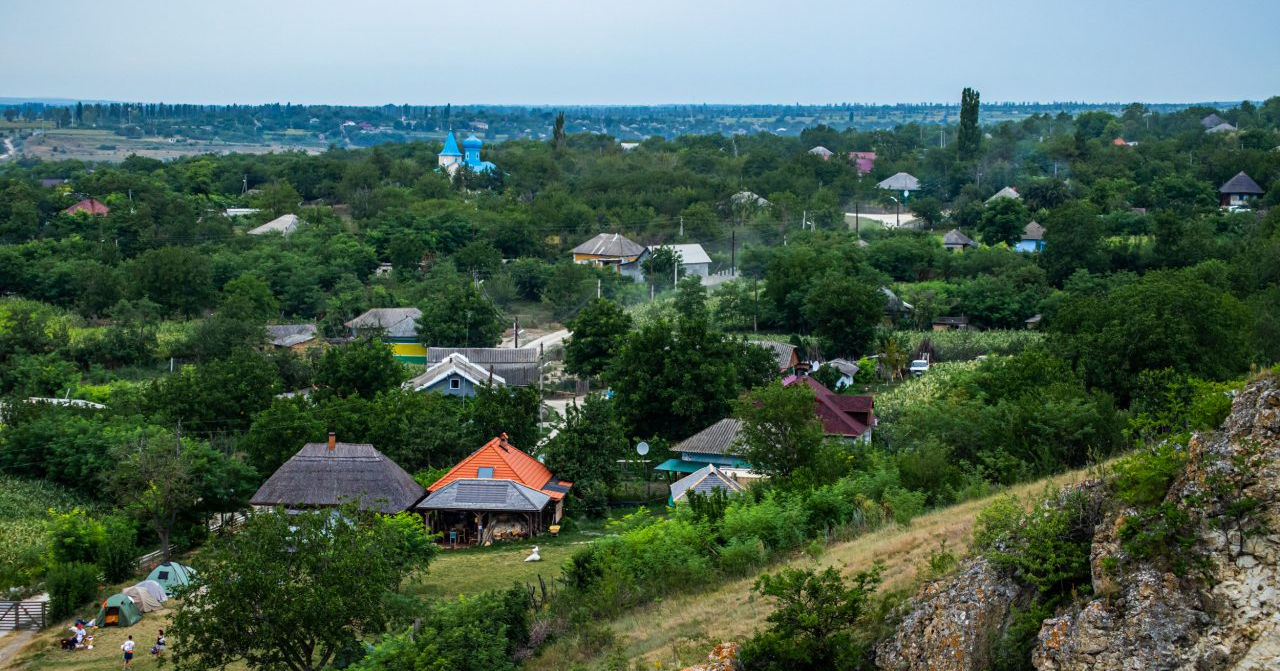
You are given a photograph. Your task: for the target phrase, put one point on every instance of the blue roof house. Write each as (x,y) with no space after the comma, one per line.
(451,159)
(717,444)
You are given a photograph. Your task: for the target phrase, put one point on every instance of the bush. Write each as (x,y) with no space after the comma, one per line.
(70,586)
(1046,547)
(781,523)
(1143,478)
(75,537)
(119,549)
(742,555)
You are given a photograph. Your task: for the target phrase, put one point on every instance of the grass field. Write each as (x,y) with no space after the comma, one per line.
(105,145)
(679,631)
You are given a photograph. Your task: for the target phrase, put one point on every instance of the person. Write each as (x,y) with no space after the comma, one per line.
(158,649)
(127,647)
(80,634)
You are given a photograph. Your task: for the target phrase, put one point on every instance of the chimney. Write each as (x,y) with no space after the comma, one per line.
(333,441)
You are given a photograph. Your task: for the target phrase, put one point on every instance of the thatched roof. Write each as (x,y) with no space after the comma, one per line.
(394,322)
(319,477)
(609,244)
(1033,231)
(1212,120)
(288,335)
(1007,192)
(1242,184)
(954,238)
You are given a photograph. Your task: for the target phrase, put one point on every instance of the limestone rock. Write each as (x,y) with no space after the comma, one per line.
(953,623)
(723,657)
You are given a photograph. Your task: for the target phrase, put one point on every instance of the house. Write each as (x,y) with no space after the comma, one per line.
(954,240)
(694,260)
(283,224)
(951,324)
(296,337)
(1033,322)
(863,161)
(608,250)
(1239,191)
(450,160)
(788,360)
(1211,121)
(847,369)
(239,211)
(821,152)
(894,306)
(628,146)
(717,444)
(50,182)
(1222,128)
(89,205)
(454,375)
(397,327)
(842,415)
(1006,192)
(520,367)
(1032,239)
(325,475)
(704,481)
(904,182)
(496,493)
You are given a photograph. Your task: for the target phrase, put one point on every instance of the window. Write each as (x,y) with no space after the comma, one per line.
(484,472)
(455,383)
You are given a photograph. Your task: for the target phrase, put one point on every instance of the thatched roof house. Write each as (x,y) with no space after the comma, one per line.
(324,475)
(1239,191)
(955,240)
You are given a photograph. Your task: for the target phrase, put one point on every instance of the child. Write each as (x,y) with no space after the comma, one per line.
(158,648)
(127,647)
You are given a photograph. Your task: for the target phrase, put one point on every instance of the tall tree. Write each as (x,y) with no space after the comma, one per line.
(597,332)
(557,134)
(155,479)
(362,368)
(459,315)
(586,450)
(844,312)
(969,136)
(781,432)
(263,600)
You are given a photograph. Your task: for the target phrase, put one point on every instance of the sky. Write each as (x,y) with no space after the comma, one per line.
(603,52)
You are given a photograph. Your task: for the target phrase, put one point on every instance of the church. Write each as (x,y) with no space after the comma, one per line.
(450,159)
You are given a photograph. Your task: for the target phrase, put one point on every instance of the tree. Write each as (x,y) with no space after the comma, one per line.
(174,277)
(362,368)
(292,592)
(969,136)
(1003,220)
(1073,240)
(597,332)
(781,433)
(459,315)
(278,198)
(586,450)
(557,134)
(155,480)
(813,624)
(513,411)
(844,312)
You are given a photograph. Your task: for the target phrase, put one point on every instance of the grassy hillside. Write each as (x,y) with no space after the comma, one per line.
(680,631)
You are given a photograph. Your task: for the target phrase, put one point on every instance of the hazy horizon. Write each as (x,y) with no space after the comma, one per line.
(616,54)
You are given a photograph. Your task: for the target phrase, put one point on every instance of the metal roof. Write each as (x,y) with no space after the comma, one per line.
(901,182)
(609,244)
(454,363)
(690,253)
(719,438)
(283,224)
(485,494)
(704,481)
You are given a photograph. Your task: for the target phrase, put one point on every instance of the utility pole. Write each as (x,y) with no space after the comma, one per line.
(597,287)
(516,331)
(733,252)
(682,226)
(804,219)
(857,220)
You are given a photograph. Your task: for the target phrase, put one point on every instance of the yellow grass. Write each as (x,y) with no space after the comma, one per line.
(679,631)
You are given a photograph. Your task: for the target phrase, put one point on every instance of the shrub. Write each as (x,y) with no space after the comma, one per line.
(780,523)
(70,586)
(119,549)
(1046,547)
(74,537)
(1143,478)
(742,555)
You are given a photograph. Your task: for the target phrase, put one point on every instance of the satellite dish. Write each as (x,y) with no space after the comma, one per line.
(642,448)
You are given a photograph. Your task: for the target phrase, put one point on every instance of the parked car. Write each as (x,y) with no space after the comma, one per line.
(919,367)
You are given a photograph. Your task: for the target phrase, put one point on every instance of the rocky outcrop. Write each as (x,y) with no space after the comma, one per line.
(1220,614)
(1224,614)
(952,624)
(723,657)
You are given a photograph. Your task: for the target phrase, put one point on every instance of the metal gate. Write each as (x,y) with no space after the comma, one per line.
(16,615)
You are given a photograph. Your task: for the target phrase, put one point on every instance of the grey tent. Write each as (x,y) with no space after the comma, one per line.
(157,590)
(142,598)
(171,575)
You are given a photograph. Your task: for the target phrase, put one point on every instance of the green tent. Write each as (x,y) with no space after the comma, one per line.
(117,611)
(171,574)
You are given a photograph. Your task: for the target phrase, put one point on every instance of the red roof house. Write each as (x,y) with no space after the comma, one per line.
(842,414)
(863,161)
(496,493)
(90,205)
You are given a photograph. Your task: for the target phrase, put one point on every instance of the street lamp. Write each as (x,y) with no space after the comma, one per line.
(897,212)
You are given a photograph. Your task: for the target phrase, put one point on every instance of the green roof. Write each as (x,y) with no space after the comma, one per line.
(677,466)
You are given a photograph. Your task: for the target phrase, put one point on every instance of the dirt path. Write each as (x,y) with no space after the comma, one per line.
(8,149)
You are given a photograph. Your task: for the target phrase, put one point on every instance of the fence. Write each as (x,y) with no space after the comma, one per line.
(15,615)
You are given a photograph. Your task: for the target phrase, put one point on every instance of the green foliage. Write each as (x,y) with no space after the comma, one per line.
(457,314)
(74,537)
(513,411)
(1163,530)
(597,332)
(1046,547)
(968,136)
(24,538)
(361,368)
(844,312)
(812,626)
(71,585)
(586,450)
(780,432)
(311,585)
(1143,478)
(1002,221)
(119,550)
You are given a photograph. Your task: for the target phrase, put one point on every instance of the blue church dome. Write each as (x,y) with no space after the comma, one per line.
(472,142)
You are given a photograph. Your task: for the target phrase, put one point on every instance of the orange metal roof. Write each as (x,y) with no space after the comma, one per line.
(508,463)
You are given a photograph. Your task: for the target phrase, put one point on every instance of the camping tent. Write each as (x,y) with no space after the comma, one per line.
(171,574)
(117,611)
(156,589)
(142,598)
